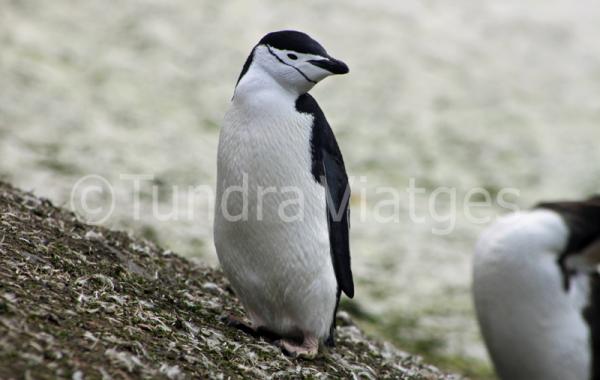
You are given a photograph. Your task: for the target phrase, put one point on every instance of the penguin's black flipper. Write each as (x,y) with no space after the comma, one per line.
(328,169)
(338,220)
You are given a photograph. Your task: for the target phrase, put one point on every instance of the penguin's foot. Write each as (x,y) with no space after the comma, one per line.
(248,327)
(307,350)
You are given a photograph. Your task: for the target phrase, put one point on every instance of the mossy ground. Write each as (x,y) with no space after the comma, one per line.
(84,302)
(406,330)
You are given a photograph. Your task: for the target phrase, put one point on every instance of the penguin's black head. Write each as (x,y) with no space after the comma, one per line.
(298,42)
(293,59)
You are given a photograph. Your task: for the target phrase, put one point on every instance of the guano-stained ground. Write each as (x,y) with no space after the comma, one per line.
(84,302)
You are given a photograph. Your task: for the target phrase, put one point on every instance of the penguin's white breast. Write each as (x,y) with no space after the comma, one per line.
(265,142)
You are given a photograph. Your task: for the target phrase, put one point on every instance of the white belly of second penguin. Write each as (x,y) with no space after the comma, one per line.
(271,229)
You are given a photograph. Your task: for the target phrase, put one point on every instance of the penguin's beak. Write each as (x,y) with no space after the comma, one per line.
(334,66)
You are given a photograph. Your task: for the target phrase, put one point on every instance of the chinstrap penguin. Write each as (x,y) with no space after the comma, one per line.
(537,292)
(283,242)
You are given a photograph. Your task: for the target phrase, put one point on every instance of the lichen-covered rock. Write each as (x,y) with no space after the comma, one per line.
(80,302)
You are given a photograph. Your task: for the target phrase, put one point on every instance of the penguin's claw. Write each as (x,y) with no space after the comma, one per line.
(307,350)
(247,327)
(239,323)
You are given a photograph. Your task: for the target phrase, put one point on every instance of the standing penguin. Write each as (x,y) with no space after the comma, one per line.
(537,292)
(282,217)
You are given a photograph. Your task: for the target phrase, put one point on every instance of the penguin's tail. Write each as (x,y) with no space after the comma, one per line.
(330,341)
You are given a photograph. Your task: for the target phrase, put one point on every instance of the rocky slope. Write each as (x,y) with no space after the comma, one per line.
(79,302)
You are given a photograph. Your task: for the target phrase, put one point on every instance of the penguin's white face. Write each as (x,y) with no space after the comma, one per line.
(294,70)
(293,60)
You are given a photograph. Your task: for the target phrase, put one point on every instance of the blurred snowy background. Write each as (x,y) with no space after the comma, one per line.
(458,94)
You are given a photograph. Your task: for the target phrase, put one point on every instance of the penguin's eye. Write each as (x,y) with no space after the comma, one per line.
(293,57)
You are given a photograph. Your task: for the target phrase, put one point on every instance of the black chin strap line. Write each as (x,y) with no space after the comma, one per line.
(287,64)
